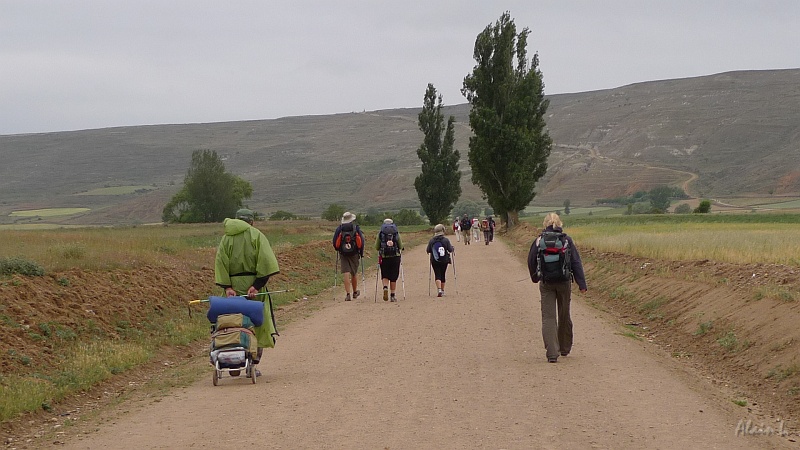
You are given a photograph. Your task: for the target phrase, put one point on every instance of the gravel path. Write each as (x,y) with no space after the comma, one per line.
(465,371)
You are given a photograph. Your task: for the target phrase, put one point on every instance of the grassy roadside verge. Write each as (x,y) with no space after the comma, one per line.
(722,295)
(101,311)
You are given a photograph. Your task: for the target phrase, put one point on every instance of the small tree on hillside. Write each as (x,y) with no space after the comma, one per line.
(209,193)
(333,213)
(704,207)
(509,148)
(660,199)
(439,185)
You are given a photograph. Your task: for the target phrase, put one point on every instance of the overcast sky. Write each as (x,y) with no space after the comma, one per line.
(70,65)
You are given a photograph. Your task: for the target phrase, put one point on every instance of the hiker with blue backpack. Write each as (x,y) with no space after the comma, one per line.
(389,247)
(554,262)
(348,240)
(440,249)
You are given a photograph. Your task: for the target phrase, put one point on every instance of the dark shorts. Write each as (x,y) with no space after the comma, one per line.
(349,262)
(390,268)
(439,270)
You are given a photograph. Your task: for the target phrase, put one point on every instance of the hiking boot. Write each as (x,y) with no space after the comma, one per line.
(393,298)
(385,294)
(347,298)
(356,294)
(564,353)
(440,294)
(553,359)
(258,374)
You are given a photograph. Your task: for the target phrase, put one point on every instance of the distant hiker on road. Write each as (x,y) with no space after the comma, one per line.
(242,267)
(348,240)
(554,262)
(389,246)
(486,230)
(440,248)
(476,229)
(491,228)
(457,229)
(466,224)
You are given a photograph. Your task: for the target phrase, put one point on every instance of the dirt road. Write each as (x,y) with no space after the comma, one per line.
(465,371)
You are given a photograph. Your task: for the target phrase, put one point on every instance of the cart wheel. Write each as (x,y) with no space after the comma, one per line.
(215,377)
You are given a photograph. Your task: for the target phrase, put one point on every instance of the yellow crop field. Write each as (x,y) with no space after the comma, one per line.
(739,243)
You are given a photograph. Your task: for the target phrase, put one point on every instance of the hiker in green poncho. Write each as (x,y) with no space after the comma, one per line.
(242,267)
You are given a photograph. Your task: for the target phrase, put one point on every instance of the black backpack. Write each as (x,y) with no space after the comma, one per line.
(349,241)
(388,239)
(439,252)
(554,257)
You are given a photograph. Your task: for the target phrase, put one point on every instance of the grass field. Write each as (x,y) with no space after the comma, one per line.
(577,211)
(117,190)
(49,212)
(764,202)
(734,238)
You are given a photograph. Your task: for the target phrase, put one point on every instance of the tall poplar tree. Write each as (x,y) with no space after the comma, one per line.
(439,185)
(509,148)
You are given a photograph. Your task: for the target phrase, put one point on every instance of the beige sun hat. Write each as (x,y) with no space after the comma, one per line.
(348,217)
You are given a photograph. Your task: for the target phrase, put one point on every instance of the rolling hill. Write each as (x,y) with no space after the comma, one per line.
(727,135)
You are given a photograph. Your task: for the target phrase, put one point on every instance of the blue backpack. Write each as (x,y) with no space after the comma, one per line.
(439,253)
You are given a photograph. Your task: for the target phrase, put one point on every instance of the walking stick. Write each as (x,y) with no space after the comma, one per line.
(403,277)
(363,280)
(430,267)
(335,265)
(455,272)
(208,300)
(377,277)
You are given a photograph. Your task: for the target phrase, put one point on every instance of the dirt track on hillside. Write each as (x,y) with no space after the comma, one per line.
(464,371)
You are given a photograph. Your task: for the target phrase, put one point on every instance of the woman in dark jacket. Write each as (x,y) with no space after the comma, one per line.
(556,291)
(440,249)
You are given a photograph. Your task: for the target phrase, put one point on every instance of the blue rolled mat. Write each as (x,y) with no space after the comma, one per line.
(253,309)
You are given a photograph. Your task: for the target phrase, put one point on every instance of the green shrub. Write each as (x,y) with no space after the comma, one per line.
(17,265)
(282,215)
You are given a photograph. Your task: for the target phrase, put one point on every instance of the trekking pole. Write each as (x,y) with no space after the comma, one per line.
(377,277)
(363,280)
(335,265)
(455,272)
(430,267)
(403,277)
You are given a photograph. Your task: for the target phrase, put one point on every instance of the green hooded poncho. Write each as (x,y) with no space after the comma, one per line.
(243,257)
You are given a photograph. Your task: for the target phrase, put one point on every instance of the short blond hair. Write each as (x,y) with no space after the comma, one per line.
(552,219)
